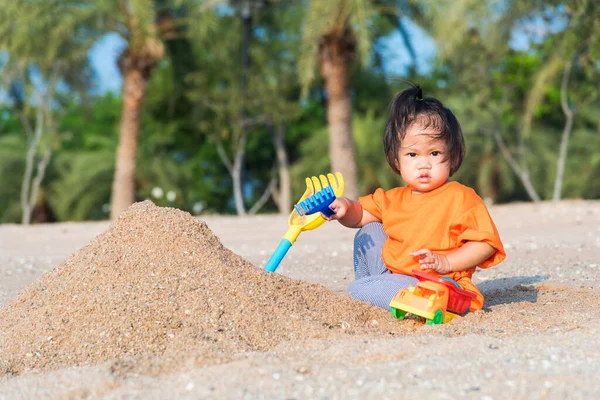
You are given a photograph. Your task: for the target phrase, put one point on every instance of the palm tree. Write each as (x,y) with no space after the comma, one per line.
(336,34)
(330,39)
(135,21)
(145,25)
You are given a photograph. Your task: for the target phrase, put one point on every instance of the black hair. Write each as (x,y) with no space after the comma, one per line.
(408,107)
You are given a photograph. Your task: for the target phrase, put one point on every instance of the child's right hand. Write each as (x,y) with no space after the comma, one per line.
(340,206)
(350,213)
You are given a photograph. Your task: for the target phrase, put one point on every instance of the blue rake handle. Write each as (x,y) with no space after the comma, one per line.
(278,255)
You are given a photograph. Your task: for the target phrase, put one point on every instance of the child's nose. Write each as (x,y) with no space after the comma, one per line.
(424,162)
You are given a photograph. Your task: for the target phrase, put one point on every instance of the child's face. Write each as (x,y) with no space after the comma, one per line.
(421,156)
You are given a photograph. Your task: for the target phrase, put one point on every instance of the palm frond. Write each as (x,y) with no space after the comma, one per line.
(82,185)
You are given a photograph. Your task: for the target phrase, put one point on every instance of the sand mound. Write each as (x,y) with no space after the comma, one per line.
(159,284)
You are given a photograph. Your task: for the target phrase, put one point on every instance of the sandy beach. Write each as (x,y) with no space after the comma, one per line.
(194,316)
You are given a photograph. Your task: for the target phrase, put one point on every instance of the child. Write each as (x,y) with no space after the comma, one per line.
(431,224)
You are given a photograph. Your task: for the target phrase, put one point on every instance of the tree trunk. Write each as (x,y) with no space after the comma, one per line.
(31,185)
(335,69)
(284,202)
(522,171)
(564,143)
(239,160)
(26,206)
(237,173)
(123,189)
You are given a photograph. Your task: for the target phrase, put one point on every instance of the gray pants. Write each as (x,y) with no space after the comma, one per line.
(374,283)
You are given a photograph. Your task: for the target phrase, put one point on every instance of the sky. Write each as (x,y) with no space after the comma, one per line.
(103,56)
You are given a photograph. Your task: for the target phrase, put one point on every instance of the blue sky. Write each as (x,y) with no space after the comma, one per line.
(104,53)
(103,56)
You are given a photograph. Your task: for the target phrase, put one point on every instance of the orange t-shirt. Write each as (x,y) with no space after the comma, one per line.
(441,220)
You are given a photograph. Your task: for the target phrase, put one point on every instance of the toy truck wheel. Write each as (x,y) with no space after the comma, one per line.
(438,318)
(398,314)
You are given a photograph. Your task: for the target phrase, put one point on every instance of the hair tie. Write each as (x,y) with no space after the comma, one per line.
(419,95)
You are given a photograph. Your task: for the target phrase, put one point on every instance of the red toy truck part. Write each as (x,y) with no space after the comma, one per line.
(459,299)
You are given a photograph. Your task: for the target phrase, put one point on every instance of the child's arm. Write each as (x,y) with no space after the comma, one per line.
(350,213)
(467,256)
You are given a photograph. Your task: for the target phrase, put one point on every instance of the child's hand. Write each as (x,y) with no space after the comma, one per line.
(340,206)
(433,261)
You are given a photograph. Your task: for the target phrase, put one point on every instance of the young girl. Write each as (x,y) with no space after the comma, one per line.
(431,224)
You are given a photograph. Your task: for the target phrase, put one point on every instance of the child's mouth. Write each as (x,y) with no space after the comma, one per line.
(424,178)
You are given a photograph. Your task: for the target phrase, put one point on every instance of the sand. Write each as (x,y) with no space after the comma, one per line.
(160,304)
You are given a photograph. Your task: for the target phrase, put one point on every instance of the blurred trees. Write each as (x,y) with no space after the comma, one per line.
(246,92)
(226,130)
(45,45)
(521,93)
(82,171)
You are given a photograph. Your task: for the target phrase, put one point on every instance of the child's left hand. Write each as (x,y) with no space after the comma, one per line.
(433,261)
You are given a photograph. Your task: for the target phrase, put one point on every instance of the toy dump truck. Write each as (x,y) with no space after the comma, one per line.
(438,299)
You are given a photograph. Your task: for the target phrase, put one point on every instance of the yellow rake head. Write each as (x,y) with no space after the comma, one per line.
(313,185)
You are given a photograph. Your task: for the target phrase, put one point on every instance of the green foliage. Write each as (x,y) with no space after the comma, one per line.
(81,173)
(175,157)
(230,114)
(12,166)
(80,189)
(583,165)
(374,170)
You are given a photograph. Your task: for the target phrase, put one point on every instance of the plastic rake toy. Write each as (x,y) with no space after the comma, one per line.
(318,202)
(307,216)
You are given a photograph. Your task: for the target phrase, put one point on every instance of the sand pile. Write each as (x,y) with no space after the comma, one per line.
(159,285)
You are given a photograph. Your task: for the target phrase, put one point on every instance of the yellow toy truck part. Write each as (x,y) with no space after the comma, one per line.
(435,298)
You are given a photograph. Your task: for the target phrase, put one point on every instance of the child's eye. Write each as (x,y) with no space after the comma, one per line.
(412,154)
(435,153)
